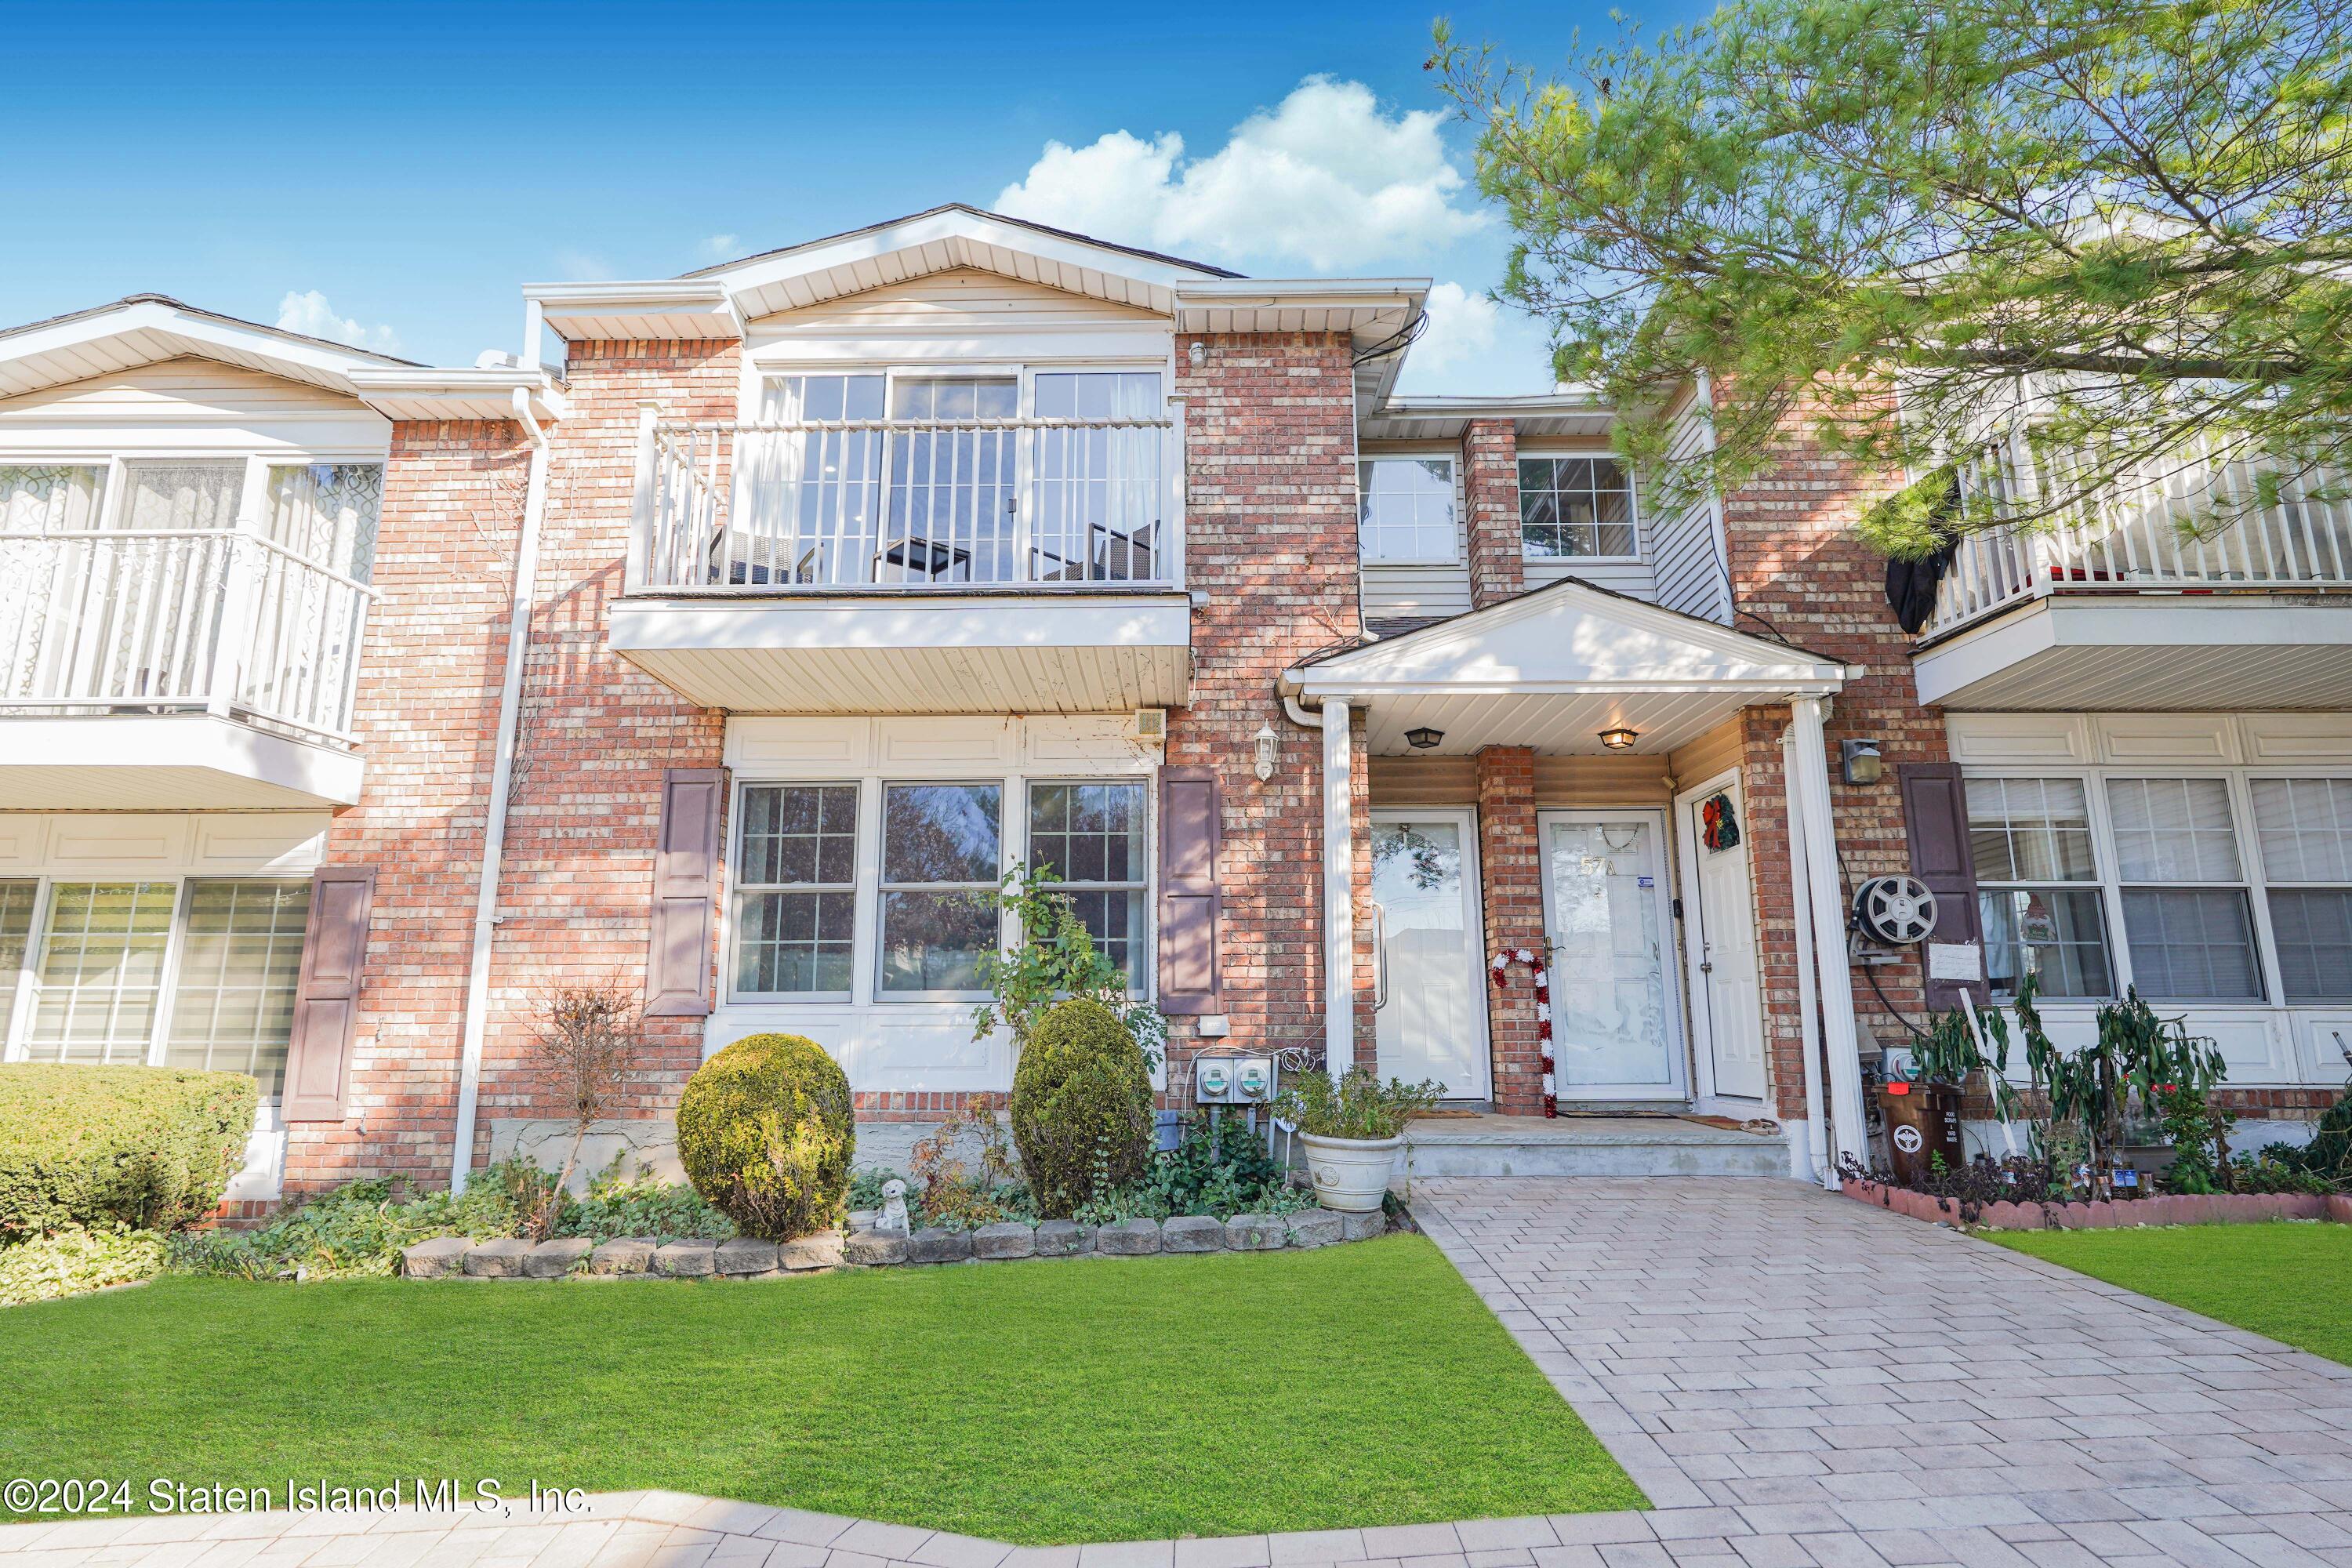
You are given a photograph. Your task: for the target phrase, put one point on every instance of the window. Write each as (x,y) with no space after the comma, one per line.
(949,512)
(1098,492)
(100,973)
(50,498)
(240,959)
(326,512)
(796,873)
(17,897)
(181,495)
(941,859)
(2305,830)
(1575,507)
(2037,890)
(1407,511)
(1090,838)
(2190,929)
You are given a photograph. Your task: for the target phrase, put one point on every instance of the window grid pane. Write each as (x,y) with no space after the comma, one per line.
(2173,830)
(1407,509)
(326,513)
(172,495)
(2312,930)
(102,972)
(2030,830)
(2058,935)
(2192,944)
(48,498)
(2304,828)
(941,857)
(1579,506)
(796,871)
(240,958)
(1091,837)
(17,897)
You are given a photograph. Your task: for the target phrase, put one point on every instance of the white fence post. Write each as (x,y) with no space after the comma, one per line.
(642,505)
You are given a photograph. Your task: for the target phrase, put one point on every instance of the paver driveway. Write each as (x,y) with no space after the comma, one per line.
(1796,1378)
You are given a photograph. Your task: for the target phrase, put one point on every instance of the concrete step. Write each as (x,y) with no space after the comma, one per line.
(1588,1146)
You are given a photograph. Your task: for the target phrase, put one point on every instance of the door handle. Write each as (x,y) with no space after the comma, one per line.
(1379,957)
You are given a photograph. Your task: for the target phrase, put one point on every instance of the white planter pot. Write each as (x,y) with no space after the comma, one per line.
(1351,1174)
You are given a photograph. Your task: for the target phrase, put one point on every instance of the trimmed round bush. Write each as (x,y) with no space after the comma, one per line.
(1081,1106)
(765,1133)
(97,1147)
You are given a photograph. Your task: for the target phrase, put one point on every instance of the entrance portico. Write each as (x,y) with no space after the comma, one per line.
(1560,774)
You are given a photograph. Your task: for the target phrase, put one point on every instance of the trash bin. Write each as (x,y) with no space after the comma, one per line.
(1923,1120)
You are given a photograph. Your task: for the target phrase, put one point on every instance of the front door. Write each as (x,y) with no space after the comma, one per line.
(1430,1021)
(1616,1030)
(1726,995)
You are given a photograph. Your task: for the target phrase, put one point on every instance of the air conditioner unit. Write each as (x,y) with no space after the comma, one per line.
(1151,725)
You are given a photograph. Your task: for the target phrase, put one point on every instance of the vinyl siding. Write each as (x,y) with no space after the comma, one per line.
(1422,593)
(1686,545)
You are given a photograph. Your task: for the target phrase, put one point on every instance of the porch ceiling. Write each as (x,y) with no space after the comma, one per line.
(1554,724)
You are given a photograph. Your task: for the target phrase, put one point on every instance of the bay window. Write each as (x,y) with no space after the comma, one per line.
(2186,916)
(1406,512)
(2304,828)
(1086,839)
(941,859)
(2037,887)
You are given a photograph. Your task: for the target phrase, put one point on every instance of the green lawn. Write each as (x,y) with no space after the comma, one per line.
(1041,1403)
(2291,1281)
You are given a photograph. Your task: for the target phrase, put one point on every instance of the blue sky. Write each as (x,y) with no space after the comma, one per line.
(393,176)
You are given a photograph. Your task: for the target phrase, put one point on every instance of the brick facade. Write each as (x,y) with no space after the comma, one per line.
(1490,489)
(1270,556)
(1510,892)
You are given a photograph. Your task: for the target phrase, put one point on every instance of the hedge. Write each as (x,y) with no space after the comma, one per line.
(97,1147)
(765,1131)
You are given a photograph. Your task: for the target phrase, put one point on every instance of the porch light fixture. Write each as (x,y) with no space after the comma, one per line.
(1860,762)
(1619,739)
(1423,739)
(1266,742)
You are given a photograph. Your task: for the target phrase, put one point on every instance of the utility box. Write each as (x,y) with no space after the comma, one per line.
(1231,1078)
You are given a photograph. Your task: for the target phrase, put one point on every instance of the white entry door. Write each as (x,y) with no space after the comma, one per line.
(1616,1027)
(1430,1022)
(1726,990)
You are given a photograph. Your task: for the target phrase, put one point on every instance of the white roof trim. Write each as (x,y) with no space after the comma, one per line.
(150,329)
(481,392)
(1571,638)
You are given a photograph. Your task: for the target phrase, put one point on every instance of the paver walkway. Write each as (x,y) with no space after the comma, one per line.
(1798,1381)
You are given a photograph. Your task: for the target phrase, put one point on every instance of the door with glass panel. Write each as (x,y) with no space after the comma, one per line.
(1616,1025)
(1430,1018)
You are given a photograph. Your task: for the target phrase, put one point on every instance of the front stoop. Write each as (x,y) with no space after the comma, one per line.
(1587,1146)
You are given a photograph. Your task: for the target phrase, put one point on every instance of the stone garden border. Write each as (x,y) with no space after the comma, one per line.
(862,1246)
(2164,1208)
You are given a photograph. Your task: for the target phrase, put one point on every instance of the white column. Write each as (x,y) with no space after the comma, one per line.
(1808,788)
(1339,891)
(1812,1161)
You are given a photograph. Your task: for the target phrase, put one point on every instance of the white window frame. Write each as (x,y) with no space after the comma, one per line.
(1632,502)
(2255,883)
(884,887)
(19,1024)
(1453,502)
(739,891)
(759,369)
(1142,884)
(2262,884)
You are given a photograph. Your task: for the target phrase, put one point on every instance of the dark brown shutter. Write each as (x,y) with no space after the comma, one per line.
(1935,821)
(686,894)
(327,996)
(1191,981)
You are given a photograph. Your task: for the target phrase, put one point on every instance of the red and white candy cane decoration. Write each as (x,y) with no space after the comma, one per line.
(1502,971)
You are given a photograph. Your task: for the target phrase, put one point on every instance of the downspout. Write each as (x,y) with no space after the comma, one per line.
(494,832)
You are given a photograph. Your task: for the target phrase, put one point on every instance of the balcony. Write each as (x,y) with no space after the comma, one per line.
(909,565)
(175,668)
(2129,609)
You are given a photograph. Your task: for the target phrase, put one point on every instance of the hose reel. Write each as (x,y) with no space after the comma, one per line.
(1895,912)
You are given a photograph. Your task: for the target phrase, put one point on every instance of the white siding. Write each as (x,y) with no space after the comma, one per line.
(962,315)
(1686,545)
(188,403)
(1423,593)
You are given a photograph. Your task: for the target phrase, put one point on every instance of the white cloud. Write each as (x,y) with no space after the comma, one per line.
(309,314)
(1461,330)
(1324,178)
(722,246)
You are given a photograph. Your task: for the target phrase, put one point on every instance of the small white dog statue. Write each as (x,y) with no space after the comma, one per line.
(894,1208)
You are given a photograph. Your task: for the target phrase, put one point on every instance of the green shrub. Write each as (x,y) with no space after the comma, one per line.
(640,1205)
(765,1133)
(97,1147)
(356,1231)
(1081,1106)
(70,1262)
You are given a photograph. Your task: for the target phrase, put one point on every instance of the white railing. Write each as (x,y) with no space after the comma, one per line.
(2157,536)
(825,505)
(155,621)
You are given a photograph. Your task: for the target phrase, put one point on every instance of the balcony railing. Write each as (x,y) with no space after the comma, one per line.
(2143,541)
(823,505)
(161,621)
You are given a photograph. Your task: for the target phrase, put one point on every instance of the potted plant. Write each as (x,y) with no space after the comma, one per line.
(1352,1127)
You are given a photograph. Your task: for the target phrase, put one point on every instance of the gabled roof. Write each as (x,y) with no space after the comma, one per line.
(145,329)
(1201,267)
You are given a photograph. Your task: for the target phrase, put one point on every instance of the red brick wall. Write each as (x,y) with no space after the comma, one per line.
(426,711)
(1270,541)
(1490,480)
(1510,890)
(1798,572)
(597,735)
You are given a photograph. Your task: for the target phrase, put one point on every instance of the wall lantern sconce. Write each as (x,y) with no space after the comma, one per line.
(1268,743)
(1860,762)
(1196,352)
(1423,739)
(1619,739)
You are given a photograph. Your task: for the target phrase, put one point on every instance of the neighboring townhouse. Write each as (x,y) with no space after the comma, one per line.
(352,707)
